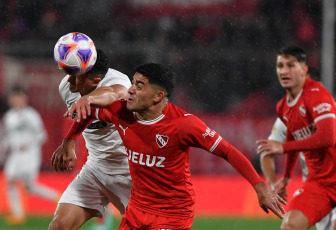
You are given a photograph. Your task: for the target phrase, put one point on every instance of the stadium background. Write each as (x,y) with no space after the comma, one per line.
(222,52)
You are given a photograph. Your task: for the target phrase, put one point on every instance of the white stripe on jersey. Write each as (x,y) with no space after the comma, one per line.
(324,117)
(215,144)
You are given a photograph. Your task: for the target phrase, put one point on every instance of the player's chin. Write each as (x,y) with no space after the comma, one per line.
(130,104)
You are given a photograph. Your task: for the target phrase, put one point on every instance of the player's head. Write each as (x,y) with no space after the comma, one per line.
(17,98)
(100,67)
(313,73)
(159,75)
(291,67)
(87,82)
(152,84)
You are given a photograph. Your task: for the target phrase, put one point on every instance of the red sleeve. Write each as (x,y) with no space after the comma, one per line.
(324,137)
(78,127)
(238,161)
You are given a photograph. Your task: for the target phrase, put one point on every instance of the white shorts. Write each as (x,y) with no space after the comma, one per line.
(23,166)
(326,222)
(95,190)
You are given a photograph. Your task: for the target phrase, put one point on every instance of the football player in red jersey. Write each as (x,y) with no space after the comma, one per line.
(158,136)
(308,111)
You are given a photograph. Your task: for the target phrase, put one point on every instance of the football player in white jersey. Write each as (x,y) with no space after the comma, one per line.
(105,177)
(24,135)
(267,163)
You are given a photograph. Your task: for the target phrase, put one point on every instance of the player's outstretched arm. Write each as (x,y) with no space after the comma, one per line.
(100,97)
(268,200)
(64,157)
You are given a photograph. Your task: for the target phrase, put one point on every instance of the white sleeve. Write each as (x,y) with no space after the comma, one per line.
(279,131)
(67,96)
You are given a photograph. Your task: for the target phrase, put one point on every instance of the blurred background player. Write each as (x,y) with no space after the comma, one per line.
(268,168)
(105,177)
(308,113)
(24,135)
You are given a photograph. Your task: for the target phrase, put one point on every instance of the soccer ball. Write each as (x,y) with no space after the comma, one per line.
(75,53)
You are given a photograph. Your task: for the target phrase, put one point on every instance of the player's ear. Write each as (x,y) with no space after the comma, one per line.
(159,96)
(96,81)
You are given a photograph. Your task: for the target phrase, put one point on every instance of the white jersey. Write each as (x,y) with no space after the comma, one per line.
(104,145)
(23,136)
(279,131)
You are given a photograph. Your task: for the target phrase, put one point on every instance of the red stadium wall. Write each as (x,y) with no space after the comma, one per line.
(227,196)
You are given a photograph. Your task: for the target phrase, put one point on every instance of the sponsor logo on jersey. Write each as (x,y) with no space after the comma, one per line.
(298,192)
(304,132)
(321,108)
(187,114)
(209,132)
(97,125)
(145,159)
(315,89)
(123,129)
(302,109)
(161,140)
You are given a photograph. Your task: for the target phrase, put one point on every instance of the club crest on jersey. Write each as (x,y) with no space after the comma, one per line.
(161,140)
(302,109)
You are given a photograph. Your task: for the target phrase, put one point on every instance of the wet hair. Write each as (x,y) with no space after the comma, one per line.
(314,73)
(294,51)
(159,75)
(100,68)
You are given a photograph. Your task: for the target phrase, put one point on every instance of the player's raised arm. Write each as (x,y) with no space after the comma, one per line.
(100,97)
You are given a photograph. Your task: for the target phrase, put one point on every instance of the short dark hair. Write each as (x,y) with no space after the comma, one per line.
(159,75)
(314,73)
(294,51)
(100,68)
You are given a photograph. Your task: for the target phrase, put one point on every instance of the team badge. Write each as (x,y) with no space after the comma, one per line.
(161,140)
(302,110)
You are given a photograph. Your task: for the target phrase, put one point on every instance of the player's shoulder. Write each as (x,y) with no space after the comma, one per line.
(313,87)
(113,77)
(178,115)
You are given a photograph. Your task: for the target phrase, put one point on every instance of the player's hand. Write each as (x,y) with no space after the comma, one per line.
(280,187)
(64,157)
(81,108)
(269,147)
(269,200)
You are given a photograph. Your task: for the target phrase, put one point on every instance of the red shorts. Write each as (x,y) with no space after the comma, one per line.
(137,219)
(314,200)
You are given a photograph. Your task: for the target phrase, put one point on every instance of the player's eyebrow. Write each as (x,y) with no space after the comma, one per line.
(137,82)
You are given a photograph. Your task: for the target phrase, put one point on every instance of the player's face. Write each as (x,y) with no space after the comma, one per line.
(82,84)
(291,73)
(142,94)
(17,100)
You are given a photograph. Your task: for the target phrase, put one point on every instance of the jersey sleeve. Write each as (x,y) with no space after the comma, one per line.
(195,133)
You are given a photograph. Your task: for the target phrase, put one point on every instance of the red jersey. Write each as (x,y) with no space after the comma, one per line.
(310,121)
(158,153)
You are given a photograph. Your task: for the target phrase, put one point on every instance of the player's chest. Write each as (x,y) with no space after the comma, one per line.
(299,121)
(153,139)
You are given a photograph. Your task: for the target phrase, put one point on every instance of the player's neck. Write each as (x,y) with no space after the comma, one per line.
(153,112)
(294,91)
